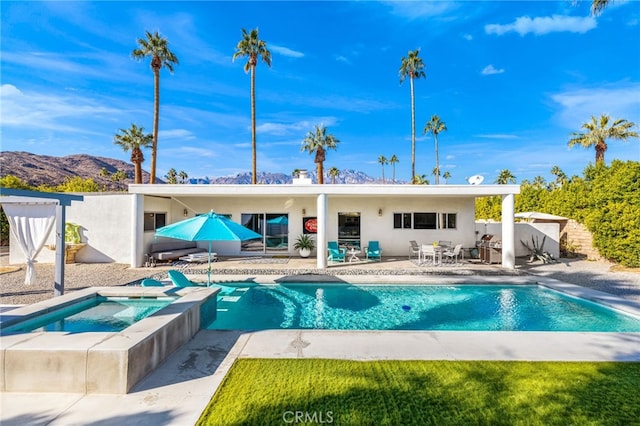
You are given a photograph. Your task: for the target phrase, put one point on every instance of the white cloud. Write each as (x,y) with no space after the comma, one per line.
(182,134)
(37,110)
(490,69)
(285,51)
(577,106)
(467,37)
(544,25)
(283,128)
(341,58)
(422,9)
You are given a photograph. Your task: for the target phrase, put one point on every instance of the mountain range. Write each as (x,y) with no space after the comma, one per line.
(35,170)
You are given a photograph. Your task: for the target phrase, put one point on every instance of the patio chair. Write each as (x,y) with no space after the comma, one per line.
(336,253)
(373,251)
(427,251)
(414,249)
(445,244)
(179,280)
(150,282)
(452,255)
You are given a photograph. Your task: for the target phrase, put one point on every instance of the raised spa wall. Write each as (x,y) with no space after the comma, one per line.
(100,362)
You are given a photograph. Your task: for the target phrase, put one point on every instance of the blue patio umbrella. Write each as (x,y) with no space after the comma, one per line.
(207,227)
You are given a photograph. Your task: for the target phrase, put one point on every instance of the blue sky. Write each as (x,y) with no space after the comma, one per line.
(511,80)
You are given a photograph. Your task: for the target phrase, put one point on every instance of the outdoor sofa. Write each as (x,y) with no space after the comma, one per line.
(172,250)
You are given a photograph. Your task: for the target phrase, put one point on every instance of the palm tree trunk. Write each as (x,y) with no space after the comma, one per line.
(413,133)
(156,116)
(383,174)
(253,126)
(601,147)
(320,173)
(437,165)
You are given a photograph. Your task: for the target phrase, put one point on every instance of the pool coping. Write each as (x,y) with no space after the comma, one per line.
(179,390)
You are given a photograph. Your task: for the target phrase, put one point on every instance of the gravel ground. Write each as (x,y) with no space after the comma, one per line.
(13,291)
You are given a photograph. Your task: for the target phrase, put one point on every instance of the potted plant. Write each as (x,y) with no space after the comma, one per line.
(304,243)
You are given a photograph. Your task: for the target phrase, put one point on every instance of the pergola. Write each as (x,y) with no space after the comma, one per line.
(26,198)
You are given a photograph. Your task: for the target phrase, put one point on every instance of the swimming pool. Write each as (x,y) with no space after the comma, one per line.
(415,307)
(96,314)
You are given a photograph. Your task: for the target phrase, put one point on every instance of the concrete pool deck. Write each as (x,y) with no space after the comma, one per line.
(179,389)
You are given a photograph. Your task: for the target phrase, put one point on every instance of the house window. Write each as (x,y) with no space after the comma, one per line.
(448,221)
(153,221)
(402,220)
(424,221)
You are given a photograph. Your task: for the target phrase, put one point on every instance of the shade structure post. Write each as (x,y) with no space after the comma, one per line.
(58,285)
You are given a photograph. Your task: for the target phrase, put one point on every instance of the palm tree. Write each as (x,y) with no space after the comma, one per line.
(393,160)
(420,180)
(183,176)
(435,126)
(505,177)
(318,142)
(561,177)
(412,67)
(172,176)
(436,173)
(157,48)
(252,47)
(538,182)
(334,172)
(133,139)
(597,133)
(446,176)
(598,6)
(383,160)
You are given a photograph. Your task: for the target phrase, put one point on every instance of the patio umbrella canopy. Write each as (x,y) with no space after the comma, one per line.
(207,227)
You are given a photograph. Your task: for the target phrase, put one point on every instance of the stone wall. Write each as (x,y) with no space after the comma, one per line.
(578,239)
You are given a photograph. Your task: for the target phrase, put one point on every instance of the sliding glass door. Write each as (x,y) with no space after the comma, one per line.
(349,229)
(274,228)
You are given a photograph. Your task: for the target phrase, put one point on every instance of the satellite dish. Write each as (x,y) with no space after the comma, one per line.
(475,180)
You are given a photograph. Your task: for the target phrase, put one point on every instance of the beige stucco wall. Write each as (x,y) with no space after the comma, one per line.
(524,232)
(106,224)
(394,242)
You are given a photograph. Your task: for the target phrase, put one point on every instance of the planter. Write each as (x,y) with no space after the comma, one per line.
(305,252)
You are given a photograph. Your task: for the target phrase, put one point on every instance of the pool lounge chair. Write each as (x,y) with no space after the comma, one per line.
(150,282)
(179,280)
(373,251)
(336,253)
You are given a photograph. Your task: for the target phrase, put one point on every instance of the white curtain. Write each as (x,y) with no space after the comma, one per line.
(30,225)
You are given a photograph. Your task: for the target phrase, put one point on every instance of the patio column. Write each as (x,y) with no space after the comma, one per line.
(137,231)
(321,235)
(508,232)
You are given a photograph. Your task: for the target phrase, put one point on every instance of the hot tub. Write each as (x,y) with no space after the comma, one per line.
(98,361)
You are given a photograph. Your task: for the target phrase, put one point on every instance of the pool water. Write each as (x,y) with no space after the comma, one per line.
(416,307)
(111,314)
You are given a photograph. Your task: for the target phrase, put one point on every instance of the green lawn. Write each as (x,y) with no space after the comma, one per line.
(271,391)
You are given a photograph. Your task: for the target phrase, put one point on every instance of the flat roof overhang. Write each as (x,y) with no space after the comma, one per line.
(359,190)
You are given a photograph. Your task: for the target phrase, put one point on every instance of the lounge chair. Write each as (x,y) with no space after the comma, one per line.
(150,282)
(414,249)
(452,255)
(179,280)
(336,253)
(373,251)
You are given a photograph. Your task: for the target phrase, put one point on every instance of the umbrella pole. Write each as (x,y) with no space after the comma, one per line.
(209,269)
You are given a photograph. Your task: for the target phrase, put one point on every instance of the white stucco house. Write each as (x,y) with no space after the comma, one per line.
(120,227)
